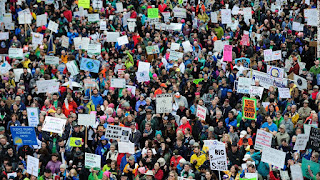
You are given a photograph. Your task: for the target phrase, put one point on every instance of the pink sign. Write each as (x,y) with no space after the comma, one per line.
(227,53)
(245,40)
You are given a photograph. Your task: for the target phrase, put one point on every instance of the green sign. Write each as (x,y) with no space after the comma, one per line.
(153,13)
(314,167)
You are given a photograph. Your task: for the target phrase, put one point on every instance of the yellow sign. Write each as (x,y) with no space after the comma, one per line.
(75,142)
(84,3)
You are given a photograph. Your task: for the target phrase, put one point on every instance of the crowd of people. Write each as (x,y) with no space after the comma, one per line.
(167,145)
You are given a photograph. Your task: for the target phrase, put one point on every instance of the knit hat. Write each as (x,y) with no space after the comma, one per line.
(158,132)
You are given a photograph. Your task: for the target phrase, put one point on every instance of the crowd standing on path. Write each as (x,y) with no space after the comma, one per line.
(159,89)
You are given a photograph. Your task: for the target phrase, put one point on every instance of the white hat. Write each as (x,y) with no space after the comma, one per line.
(243,133)
(161,161)
(149,173)
(182,161)
(246,157)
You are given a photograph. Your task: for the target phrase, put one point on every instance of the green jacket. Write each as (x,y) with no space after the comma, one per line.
(315,70)
(96,176)
(88,107)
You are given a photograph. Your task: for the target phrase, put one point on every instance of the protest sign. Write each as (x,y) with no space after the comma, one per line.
(119,7)
(33,116)
(41,20)
(256,91)
(87,119)
(247,14)
(217,155)
(164,103)
(92,161)
(75,142)
(263,139)
(93,17)
(249,108)
(131,24)
(103,24)
(55,125)
(245,40)
(23,135)
(32,165)
(297,26)
(97,4)
(153,13)
(126,147)
(175,46)
(166,16)
(227,53)
(267,54)
(4,35)
(214,17)
(84,43)
(90,65)
(37,38)
(5,67)
(118,132)
(187,47)
(284,175)
(113,36)
(284,92)
(77,43)
(314,139)
(51,60)
(311,16)
(50,86)
(143,76)
(152,49)
(143,66)
(276,55)
(266,80)
(89,82)
(226,16)
(218,45)
(160,26)
(301,142)
(65,41)
(16,53)
(9,26)
(201,112)
(17,73)
(118,83)
(273,156)
(244,85)
(275,71)
(314,167)
(24,16)
(53,26)
(296,172)
(174,55)
(174,26)
(179,12)
(72,67)
(125,18)
(122,40)
(300,82)
(94,49)
(84,3)
(7,18)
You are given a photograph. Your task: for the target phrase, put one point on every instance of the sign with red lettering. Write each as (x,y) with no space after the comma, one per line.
(201,112)
(263,139)
(249,108)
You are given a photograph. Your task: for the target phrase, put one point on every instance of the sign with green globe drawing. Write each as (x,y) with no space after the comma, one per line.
(90,65)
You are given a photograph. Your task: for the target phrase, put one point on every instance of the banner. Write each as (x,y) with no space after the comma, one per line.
(90,65)
(227,53)
(273,156)
(32,165)
(275,71)
(118,83)
(55,125)
(267,54)
(301,142)
(118,132)
(126,147)
(314,139)
(263,139)
(164,103)
(33,116)
(244,85)
(52,60)
(256,91)
(48,86)
(92,161)
(249,108)
(217,155)
(153,13)
(22,135)
(266,80)
(75,142)
(87,119)
(201,112)
(16,53)
(284,93)
(314,167)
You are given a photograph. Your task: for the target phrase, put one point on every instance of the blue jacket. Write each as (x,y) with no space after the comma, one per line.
(97,100)
(232,123)
(123,163)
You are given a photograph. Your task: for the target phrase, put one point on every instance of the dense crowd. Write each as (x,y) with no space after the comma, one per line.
(167,145)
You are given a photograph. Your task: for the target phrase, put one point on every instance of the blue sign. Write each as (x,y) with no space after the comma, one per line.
(245,61)
(23,135)
(90,65)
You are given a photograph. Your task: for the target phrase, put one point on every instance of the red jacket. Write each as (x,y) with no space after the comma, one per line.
(174,162)
(158,175)
(184,126)
(295,69)
(72,108)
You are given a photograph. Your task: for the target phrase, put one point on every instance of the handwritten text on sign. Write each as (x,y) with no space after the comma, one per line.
(249,108)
